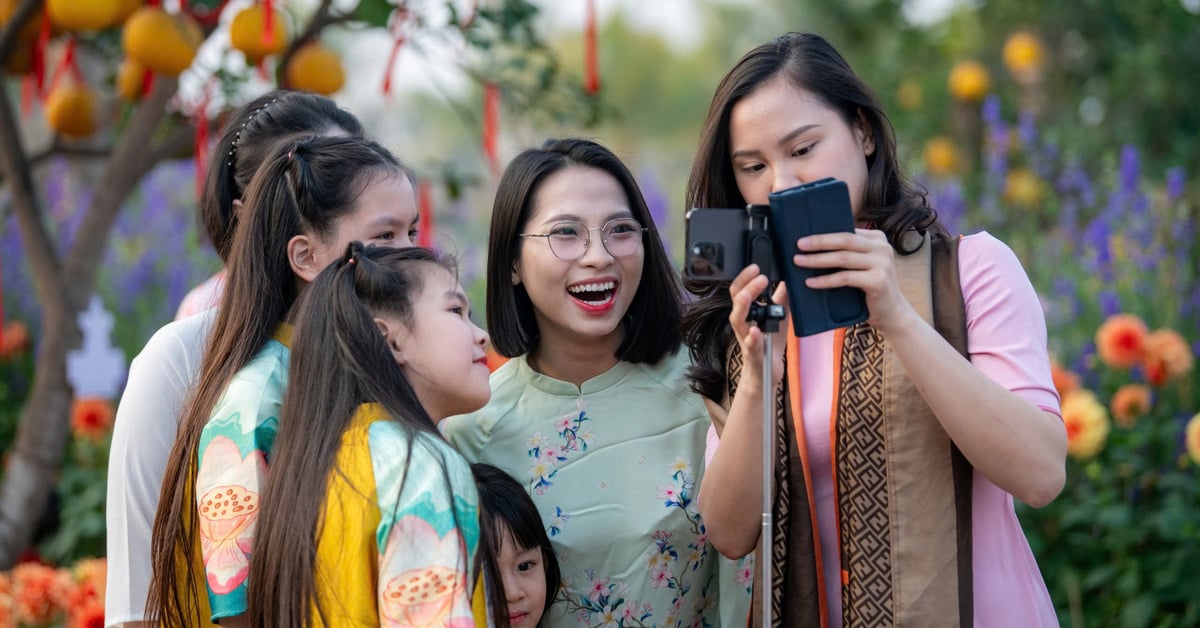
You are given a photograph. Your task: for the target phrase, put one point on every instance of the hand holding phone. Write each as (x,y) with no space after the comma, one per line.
(818,207)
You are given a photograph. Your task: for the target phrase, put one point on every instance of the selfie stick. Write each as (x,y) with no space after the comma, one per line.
(766,314)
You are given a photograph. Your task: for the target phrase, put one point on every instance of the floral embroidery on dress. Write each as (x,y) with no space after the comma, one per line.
(607,603)
(228,511)
(430,578)
(575,438)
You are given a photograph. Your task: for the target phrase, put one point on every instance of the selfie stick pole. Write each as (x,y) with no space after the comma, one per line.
(766,314)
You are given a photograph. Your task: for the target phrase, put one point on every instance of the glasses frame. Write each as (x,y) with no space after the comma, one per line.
(587,241)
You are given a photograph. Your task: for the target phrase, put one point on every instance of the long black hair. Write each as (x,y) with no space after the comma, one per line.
(306,187)
(250,135)
(891,202)
(652,322)
(339,362)
(502,500)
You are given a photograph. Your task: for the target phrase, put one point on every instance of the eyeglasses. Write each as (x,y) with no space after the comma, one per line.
(569,240)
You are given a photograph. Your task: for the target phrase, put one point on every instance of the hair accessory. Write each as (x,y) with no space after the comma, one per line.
(290,155)
(352,260)
(237,137)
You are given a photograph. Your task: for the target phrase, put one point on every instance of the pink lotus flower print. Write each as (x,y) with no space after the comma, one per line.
(430,588)
(228,511)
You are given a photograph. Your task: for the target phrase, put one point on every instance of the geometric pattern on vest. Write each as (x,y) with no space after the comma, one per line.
(862,490)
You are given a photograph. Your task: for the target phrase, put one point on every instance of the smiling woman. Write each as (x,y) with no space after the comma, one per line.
(593,415)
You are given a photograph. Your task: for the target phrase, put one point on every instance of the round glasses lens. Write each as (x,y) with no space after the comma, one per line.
(622,237)
(568,240)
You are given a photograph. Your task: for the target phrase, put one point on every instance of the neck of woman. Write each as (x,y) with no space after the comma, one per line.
(574,361)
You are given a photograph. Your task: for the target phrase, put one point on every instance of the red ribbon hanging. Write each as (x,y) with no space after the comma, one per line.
(28,93)
(425,211)
(491,124)
(396,24)
(39,54)
(591,67)
(66,64)
(202,139)
(268,22)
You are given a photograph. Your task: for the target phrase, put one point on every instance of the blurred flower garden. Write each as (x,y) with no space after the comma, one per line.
(1108,237)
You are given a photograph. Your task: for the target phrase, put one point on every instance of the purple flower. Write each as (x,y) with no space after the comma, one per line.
(1130,168)
(1175,183)
(659,205)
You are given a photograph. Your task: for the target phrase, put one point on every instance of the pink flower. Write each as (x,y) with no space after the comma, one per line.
(744,576)
(668,493)
(562,425)
(228,511)
(659,578)
(597,589)
(430,588)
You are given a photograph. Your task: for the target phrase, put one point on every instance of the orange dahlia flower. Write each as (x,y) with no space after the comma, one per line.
(14,340)
(34,588)
(1086,422)
(1167,356)
(91,418)
(1065,381)
(1121,340)
(1130,402)
(1193,438)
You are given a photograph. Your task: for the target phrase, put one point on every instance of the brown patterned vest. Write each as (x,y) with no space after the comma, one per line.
(903,490)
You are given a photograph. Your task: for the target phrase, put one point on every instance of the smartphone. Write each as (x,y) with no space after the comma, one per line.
(721,242)
(818,207)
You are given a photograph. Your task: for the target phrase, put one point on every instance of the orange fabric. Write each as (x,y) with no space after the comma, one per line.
(794,401)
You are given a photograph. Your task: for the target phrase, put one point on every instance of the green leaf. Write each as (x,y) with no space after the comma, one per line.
(1138,612)
(374,12)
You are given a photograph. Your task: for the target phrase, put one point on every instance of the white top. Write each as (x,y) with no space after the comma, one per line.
(160,379)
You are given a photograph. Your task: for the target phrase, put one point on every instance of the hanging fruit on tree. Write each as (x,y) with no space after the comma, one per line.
(130,76)
(83,15)
(248,33)
(315,68)
(71,109)
(162,42)
(125,8)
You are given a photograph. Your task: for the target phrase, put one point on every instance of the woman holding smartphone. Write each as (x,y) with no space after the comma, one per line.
(901,441)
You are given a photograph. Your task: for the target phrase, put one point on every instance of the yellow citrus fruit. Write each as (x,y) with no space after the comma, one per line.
(1023,188)
(161,42)
(1023,53)
(129,79)
(315,68)
(246,33)
(71,110)
(83,15)
(125,8)
(969,81)
(941,157)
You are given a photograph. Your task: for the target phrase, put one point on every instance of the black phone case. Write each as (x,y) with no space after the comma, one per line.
(818,207)
(724,228)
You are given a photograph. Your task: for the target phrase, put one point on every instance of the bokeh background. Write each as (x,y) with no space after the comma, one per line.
(1069,130)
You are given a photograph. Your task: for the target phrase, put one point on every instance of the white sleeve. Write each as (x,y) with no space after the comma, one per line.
(160,379)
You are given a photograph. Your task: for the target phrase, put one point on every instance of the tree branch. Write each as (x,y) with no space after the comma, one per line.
(127,164)
(56,148)
(10,35)
(177,140)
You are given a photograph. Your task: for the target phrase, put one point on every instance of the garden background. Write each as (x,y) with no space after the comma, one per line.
(1069,130)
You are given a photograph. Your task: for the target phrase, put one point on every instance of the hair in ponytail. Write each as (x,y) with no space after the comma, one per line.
(250,136)
(340,361)
(306,187)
